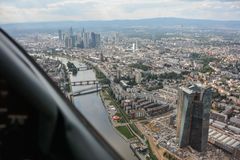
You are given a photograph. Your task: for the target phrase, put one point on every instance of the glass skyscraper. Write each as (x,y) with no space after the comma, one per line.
(193,113)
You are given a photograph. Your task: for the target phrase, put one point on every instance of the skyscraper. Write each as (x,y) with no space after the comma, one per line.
(60,37)
(92,40)
(86,40)
(80,40)
(63,36)
(71,32)
(74,40)
(68,42)
(194,105)
(98,40)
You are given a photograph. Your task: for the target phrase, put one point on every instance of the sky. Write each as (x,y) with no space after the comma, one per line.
(13,11)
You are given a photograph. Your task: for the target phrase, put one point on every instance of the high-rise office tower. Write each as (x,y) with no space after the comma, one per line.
(63,36)
(194,105)
(74,40)
(68,42)
(83,31)
(60,37)
(98,40)
(71,32)
(85,40)
(92,40)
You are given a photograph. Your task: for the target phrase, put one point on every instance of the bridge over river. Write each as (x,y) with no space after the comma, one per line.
(84,83)
(92,107)
(87,91)
(94,83)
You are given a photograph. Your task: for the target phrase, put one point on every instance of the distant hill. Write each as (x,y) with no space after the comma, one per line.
(114,25)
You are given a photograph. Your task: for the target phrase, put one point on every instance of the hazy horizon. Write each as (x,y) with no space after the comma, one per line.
(133,19)
(25,11)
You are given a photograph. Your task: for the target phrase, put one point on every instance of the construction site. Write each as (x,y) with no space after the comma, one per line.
(161,134)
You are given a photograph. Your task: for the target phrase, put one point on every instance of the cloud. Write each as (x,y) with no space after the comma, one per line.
(55,10)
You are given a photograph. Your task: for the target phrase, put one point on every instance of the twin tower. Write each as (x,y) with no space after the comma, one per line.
(193,113)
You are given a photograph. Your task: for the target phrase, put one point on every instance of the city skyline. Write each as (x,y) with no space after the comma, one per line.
(144,73)
(85,40)
(73,10)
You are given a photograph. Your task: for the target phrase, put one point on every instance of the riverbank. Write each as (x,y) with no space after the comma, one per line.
(92,107)
(122,129)
(126,127)
(126,135)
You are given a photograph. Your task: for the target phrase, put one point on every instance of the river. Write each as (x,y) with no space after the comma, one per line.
(93,109)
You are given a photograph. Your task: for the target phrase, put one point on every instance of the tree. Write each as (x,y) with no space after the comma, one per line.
(72,68)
